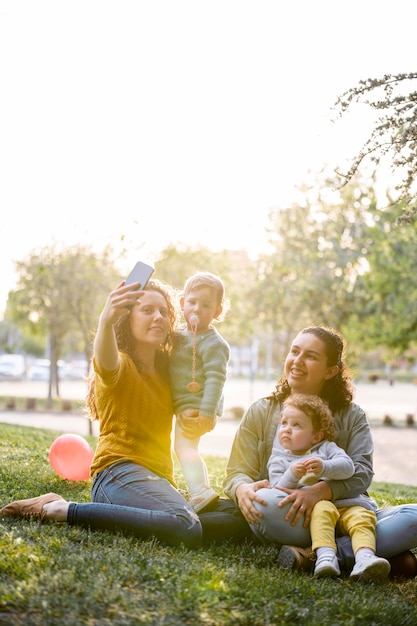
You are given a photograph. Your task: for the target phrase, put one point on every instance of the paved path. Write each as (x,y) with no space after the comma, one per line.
(395,458)
(377,400)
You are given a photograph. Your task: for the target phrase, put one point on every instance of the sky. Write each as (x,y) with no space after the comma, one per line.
(176,121)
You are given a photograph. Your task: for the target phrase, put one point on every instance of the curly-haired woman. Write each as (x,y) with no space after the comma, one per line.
(315,366)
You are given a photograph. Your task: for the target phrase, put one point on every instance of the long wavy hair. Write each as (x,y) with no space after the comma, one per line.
(127,343)
(337,391)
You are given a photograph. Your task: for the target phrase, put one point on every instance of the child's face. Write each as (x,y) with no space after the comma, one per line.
(200,302)
(296,432)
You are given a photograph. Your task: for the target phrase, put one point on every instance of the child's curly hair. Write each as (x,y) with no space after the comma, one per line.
(317,410)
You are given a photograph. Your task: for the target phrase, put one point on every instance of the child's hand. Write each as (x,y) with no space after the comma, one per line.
(298,469)
(313,465)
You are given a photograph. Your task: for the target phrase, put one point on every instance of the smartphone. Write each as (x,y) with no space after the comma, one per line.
(141,273)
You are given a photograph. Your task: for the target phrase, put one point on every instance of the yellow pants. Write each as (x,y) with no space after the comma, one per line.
(355,521)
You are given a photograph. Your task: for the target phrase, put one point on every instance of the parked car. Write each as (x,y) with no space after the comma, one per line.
(40,369)
(76,370)
(12,366)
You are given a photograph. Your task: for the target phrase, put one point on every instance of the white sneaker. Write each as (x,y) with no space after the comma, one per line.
(370,568)
(327,566)
(201,499)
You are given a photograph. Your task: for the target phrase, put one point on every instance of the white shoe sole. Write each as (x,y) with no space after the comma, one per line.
(327,572)
(379,570)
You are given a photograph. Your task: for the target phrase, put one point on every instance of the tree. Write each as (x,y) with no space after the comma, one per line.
(315,274)
(394,136)
(60,293)
(238,272)
(389,286)
(177,262)
(10,337)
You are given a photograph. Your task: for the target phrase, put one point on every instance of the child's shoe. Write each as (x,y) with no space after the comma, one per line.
(370,568)
(327,566)
(202,498)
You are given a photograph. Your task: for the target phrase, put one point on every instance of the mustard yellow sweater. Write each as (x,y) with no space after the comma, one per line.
(135,412)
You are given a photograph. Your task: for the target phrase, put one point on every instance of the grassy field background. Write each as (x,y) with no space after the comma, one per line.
(53,574)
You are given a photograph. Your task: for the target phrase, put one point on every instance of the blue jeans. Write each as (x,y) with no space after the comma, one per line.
(272,527)
(396,529)
(129,498)
(223,521)
(396,532)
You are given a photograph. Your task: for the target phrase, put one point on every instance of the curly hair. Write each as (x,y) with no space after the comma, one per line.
(127,343)
(316,409)
(338,390)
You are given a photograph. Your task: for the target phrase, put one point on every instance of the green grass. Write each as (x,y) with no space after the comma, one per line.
(53,574)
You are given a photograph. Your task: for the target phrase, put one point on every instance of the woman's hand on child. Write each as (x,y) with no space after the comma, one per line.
(302,501)
(196,425)
(246,495)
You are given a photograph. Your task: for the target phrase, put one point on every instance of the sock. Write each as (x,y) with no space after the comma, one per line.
(325,553)
(364,553)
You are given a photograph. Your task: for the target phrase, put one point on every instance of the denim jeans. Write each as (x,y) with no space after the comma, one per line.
(396,532)
(272,527)
(129,498)
(223,521)
(396,529)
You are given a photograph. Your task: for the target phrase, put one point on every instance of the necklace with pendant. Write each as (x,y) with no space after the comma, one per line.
(193,386)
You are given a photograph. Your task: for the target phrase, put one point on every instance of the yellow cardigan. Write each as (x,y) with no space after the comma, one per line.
(135,412)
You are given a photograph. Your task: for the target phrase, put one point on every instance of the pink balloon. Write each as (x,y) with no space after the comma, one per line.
(70,457)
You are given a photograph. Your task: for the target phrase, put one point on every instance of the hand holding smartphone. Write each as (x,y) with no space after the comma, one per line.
(141,273)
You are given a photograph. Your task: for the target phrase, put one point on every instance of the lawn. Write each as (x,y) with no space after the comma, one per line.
(53,574)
